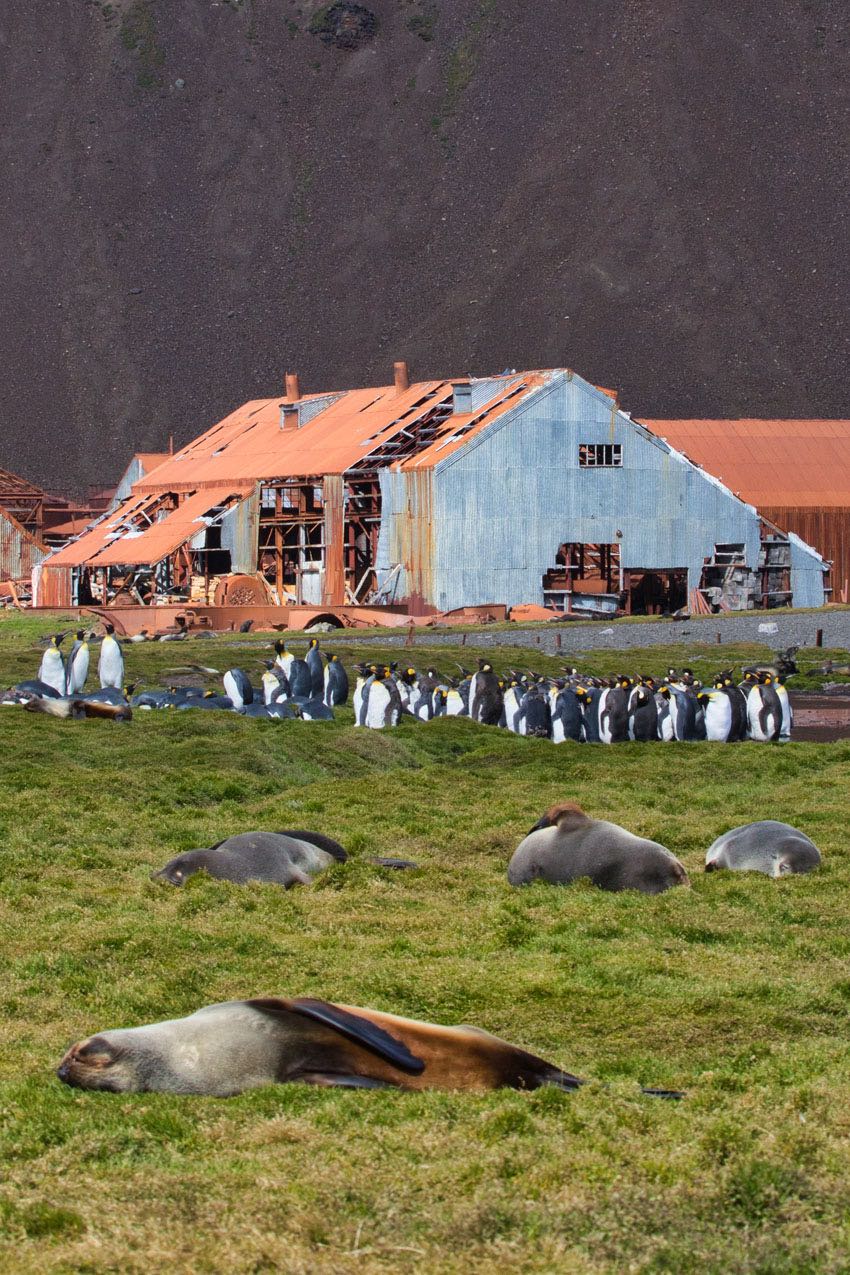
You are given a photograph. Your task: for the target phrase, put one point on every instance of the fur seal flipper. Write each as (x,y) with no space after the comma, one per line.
(354,1026)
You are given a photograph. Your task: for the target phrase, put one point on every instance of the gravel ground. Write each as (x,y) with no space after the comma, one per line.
(791,629)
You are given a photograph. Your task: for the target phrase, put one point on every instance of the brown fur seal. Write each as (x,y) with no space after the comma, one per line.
(224,1049)
(566,844)
(285,858)
(66,707)
(774,848)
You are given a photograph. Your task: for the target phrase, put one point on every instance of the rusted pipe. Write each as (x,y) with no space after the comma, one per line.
(293,392)
(401,376)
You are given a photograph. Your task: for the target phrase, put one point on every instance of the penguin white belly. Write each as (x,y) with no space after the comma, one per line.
(78,671)
(357,700)
(511,709)
(454,704)
(52,670)
(110,666)
(376,709)
(718,718)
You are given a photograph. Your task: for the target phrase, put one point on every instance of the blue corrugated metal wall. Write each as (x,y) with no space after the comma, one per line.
(806,574)
(505,501)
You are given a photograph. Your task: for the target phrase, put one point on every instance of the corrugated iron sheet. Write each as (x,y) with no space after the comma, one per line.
(250,445)
(167,534)
(54,586)
(19,551)
(768,462)
(240,528)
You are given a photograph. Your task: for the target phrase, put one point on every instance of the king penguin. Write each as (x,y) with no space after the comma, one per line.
(764,711)
(110,666)
(52,668)
(485,696)
(787,711)
(237,686)
(335,681)
(283,658)
(313,660)
(77,665)
(717,708)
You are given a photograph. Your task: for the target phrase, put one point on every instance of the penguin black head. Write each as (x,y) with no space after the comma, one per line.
(314,642)
(110,629)
(280,646)
(81,633)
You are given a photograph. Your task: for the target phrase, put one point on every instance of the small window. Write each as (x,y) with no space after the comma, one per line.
(600,455)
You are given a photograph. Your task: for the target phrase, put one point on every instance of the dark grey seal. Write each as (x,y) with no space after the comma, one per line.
(566,844)
(774,848)
(285,858)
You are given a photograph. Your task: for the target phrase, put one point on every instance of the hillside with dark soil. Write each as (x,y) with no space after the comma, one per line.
(199,195)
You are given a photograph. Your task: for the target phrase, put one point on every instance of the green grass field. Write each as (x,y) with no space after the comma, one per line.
(736,990)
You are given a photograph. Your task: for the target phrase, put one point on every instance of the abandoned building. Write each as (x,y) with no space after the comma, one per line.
(796,473)
(523,487)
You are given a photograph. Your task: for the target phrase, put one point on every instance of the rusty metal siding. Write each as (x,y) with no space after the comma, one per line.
(240,531)
(500,506)
(54,587)
(19,551)
(333,582)
(828,529)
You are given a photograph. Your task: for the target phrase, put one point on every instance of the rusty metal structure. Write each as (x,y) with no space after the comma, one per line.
(796,472)
(526,487)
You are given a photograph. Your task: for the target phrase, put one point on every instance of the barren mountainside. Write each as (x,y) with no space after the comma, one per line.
(200,195)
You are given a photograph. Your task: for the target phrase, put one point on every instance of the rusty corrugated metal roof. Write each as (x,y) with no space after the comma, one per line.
(122,538)
(459,428)
(166,534)
(769,462)
(249,444)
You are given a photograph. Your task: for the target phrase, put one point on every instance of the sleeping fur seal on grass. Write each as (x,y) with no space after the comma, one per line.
(771,847)
(224,1049)
(285,858)
(566,844)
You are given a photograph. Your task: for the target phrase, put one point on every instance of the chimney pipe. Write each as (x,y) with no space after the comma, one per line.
(401,376)
(293,392)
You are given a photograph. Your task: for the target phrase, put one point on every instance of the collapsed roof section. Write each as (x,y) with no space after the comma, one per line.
(146,528)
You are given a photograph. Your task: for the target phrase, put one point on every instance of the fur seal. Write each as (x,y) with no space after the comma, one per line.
(225,1049)
(567,844)
(285,858)
(768,846)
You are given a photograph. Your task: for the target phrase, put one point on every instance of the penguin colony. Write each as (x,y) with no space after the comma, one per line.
(581,708)
(574,707)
